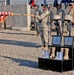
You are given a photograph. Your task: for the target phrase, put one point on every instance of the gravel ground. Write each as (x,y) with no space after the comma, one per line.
(19,52)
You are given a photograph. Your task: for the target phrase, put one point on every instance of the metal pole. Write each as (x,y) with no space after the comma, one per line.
(5,2)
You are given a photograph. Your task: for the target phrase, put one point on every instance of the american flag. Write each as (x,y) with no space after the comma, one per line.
(3,16)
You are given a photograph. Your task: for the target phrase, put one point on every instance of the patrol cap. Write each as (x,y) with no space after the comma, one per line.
(59,4)
(70,4)
(44,5)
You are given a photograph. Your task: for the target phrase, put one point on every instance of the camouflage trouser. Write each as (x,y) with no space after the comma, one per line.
(44,33)
(37,28)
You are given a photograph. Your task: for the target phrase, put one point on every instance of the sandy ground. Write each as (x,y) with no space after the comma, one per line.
(19,52)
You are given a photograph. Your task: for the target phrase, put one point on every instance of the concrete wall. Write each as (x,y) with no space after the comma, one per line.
(17,21)
(17,2)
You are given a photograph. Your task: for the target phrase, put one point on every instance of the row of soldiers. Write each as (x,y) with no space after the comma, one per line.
(43,23)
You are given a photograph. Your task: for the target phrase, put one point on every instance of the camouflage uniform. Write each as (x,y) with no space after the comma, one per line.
(44,27)
(72,14)
(37,22)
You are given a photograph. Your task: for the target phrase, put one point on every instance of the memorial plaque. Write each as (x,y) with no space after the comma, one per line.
(68,41)
(56,40)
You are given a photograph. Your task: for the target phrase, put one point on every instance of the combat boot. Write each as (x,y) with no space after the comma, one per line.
(53,53)
(66,56)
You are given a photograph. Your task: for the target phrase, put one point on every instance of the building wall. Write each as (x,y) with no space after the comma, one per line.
(16,21)
(11,2)
(25,1)
(48,1)
(18,2)
(2,2)
(36,1)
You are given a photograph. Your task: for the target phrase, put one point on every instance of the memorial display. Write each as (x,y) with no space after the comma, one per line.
(56,40)
(68,41)
(63,61)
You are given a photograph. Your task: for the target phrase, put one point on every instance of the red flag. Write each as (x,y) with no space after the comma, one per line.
(33,3)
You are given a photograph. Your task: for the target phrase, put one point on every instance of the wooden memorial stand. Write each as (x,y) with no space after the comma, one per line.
(55,64)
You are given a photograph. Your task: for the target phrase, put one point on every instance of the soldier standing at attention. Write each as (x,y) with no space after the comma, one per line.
(71,13)
(51,14)
(44,27)
(50,18)
(37,21)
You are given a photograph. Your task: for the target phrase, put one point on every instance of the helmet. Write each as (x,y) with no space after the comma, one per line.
(56,17)
(68,17)
(60,5)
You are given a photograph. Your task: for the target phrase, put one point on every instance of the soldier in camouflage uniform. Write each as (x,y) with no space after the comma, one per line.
(37,21)
(68,25)
(71,13)
(44,27)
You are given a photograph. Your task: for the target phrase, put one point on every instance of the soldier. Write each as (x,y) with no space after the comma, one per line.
(61,13)
(37,22)
(67,25)
(44,27)
(71,13)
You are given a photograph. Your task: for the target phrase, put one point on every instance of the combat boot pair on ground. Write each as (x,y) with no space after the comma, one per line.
(66,56)
(45,46)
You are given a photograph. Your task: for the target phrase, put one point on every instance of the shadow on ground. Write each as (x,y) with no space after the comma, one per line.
(19,43)
(28,63)
(18,33)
